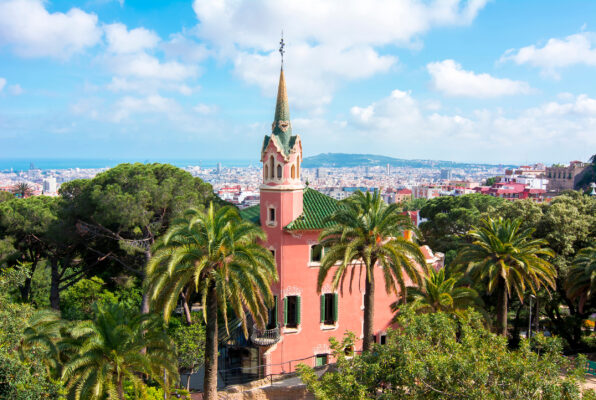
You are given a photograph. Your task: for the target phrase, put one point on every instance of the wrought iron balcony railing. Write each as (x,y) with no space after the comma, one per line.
(264,337)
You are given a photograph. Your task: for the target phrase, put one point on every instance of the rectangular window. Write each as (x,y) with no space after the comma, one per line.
(320,360)
(272,215)
(383,339)
(329,308)
(292,311)
(272,320)
(316,253)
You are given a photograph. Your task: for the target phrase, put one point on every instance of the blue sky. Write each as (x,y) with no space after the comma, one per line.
(491,81)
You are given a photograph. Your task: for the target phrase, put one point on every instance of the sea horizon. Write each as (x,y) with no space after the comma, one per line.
(24,164)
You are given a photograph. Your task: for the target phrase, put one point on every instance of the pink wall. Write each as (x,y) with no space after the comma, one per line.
(299,277)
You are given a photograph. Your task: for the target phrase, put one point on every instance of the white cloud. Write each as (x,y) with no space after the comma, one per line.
(449,77)
(205,109)
(31,31)
(184,48)
(143,65)
(313,73)
(139,105)
(16,89)
(149,86)
(328,42)
(2,83)
(121,40)
(402,126)
(557,53)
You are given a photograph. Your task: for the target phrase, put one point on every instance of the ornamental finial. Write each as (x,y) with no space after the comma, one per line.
(282,51)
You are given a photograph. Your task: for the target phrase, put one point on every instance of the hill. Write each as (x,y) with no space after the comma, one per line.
(339,160)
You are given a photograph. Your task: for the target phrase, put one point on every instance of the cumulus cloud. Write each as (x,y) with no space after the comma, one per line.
(450,78)
(2,83)
(557,53)
(141,105)
(143,65)
(16,89)
(31,31)
(205,109)
(121,40)
(328,42)
(402,126)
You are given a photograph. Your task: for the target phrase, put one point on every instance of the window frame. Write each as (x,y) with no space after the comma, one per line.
(292,311)
(329,312)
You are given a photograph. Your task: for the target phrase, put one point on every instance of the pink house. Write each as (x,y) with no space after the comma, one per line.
(293,216)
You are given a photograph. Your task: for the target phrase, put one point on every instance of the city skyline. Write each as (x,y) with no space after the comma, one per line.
(474,81)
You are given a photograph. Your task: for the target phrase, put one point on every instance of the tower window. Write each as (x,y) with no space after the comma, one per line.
(279,172)
(271,166)
(272,215)
(293,172)
(266,172)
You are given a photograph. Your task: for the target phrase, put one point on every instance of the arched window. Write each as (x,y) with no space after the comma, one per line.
(298,169)
(293,172)
(271,167)
(266,174)
(279,172)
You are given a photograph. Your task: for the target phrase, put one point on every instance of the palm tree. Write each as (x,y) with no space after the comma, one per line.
(110,354)
(367,233)
(219,254)
(50,336)
(581,281)
(441,292)
(23,189)
(509,259)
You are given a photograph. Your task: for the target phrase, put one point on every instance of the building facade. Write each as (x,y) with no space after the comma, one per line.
(565,178)
(293,216)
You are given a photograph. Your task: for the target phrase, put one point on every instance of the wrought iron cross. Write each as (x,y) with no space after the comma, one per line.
(281,47)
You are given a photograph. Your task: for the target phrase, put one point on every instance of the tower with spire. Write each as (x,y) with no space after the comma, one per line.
(281,155)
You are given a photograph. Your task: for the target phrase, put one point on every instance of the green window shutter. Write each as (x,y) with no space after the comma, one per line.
(285,310)
(335,308)
(275,310)
(298,310)
(322,308)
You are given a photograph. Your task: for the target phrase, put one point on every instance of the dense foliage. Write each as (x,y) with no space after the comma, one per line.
(220,257)
(438,356)
(368,230)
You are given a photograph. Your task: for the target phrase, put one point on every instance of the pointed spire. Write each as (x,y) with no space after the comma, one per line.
(282,128)
(282,107)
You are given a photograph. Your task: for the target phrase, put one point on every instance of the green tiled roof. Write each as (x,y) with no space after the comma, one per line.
(317,207)
(252,214)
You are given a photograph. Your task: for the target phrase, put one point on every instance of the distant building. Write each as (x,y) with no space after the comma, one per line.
(446,174)
(49,185)
(513,191)
(403,195)
(565,178)
(219,168)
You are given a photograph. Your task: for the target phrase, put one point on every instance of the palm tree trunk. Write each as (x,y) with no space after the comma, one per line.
(120,389)
(369,312)
(186,308)
(210,381)
(501,308)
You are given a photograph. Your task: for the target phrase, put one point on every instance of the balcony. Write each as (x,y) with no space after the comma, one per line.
(264,337)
